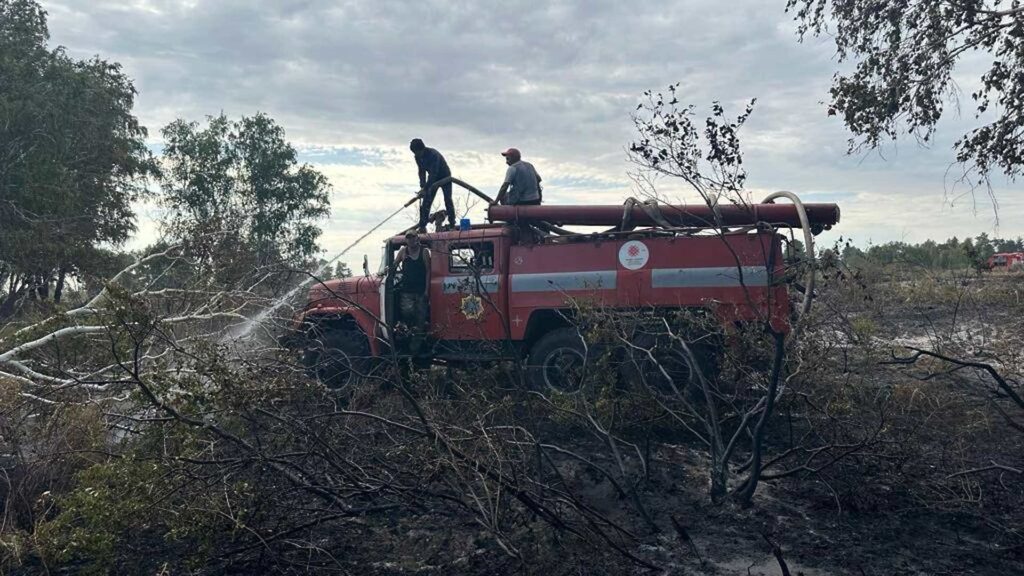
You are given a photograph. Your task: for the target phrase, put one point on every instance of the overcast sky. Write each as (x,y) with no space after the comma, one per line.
(353,81)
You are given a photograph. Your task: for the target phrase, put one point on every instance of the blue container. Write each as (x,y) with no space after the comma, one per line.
(464,225)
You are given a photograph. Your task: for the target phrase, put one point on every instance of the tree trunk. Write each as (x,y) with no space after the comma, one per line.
(745,493)
(7,305)
(58,290)
(719,476)
(43,287)
(10,301)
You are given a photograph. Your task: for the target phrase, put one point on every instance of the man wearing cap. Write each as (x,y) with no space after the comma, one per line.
(432,168)
(522,183)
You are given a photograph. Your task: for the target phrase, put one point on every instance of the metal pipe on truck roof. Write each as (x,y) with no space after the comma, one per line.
(682,216)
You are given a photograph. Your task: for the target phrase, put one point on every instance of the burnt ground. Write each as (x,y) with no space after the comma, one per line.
(902,502)
(880,531)
(899,507)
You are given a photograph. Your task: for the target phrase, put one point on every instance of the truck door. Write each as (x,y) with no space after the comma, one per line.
(468,300)
(387,291)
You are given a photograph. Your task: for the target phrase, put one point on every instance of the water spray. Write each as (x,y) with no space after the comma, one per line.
(251,324)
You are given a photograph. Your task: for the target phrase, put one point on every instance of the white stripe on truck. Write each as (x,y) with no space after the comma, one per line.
(563,281)
(458,284)
(724,277)
(716,277)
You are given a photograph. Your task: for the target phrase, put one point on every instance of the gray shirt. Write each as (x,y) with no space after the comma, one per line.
(524,181)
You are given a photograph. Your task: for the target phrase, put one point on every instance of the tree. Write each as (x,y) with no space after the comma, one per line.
(984,247)
(239,181)
(1008,245)
(341,270)
(72,158)
(670,144)
(906,53)
(706,155)
(335,272)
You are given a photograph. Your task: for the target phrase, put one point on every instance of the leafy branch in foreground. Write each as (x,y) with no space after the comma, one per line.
(906,56)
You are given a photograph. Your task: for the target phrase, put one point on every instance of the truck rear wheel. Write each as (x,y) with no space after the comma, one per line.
(661,364)
(559,361)
(338,358)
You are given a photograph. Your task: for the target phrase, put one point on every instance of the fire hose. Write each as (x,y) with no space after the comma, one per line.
(808,243)
(653,210)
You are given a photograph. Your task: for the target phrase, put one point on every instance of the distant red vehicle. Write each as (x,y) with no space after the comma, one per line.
(1006,261)
(505,290)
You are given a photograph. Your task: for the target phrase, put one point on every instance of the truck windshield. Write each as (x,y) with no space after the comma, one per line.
(383,266)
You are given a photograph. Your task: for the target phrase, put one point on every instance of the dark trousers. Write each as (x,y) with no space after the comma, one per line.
(428,201)
(413,310)
(535,202)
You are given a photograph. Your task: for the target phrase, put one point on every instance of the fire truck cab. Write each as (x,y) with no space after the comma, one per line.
(510,289)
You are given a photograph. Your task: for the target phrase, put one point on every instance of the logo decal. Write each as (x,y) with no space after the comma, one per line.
(472,307)
(633,255)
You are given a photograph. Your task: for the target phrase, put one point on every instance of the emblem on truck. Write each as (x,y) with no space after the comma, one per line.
(472,307)
(633,255)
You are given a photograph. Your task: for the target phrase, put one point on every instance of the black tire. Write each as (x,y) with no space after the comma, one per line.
(338,358)
(672,370)
(559,361)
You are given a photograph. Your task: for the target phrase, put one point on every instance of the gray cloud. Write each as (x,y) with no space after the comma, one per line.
(556,79)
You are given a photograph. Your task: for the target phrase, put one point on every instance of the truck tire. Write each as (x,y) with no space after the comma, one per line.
(671,371)
(338,358)
(559,361)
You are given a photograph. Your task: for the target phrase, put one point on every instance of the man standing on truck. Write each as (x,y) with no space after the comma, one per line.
(522,183)
(413,295)
(432,168)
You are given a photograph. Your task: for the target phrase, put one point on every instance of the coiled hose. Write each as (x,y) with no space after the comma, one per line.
(654,212)
(808,242)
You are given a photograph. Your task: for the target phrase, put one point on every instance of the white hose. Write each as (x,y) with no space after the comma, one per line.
(808,242)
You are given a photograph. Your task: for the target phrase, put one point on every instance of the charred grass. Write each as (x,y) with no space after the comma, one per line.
(876,463)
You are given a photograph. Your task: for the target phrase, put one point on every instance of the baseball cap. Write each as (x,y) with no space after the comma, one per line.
(512,152)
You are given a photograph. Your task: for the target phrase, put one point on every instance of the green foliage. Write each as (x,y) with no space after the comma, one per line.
(239,183)
(338,271)
(72,158)
(111,500)
(341,270)
(952,254)
(156,504)
(906,54)
(863,327)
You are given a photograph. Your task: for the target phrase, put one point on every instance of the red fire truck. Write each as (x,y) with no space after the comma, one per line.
(1006,261)
(509,289)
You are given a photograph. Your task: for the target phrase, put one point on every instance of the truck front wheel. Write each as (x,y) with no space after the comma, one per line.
(559,361)
(338,358)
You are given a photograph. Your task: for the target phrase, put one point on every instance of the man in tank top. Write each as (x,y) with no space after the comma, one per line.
(414,259)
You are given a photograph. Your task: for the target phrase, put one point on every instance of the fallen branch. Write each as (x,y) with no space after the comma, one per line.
(993,466)
(777,552)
